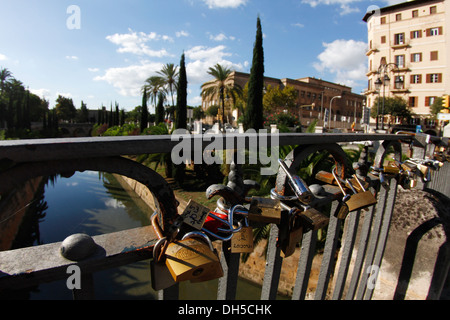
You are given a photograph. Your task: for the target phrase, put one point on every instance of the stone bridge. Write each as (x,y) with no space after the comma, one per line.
(76,129)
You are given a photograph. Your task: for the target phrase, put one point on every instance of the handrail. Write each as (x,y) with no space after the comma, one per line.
(77,148)
(116,248)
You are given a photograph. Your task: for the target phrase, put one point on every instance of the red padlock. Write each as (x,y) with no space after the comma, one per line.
(213,224)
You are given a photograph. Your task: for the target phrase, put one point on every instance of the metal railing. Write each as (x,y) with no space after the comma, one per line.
(361,245)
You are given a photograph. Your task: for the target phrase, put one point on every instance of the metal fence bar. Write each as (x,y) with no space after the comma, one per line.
(440,273)
(328,259)
(273,266)
(307,253)
(350,230)
(230,265)
(362,249)
(373,240)
(386,223)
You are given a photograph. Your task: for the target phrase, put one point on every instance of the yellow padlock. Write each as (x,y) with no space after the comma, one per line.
(192,259)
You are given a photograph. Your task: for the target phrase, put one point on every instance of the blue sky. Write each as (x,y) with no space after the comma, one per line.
(101,51)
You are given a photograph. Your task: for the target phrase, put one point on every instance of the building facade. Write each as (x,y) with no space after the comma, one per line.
(313,100)
(409,43)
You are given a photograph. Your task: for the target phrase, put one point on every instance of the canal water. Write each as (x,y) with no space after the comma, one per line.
(95,203)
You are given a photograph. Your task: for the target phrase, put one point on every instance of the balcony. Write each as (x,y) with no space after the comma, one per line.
(366,233)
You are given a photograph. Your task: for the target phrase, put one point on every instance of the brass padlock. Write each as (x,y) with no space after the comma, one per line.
(356,201)
(242,241)
(265,210)
(313,219)
(193,259)
(295,234)
(365,197)
(161,278)
(160,275)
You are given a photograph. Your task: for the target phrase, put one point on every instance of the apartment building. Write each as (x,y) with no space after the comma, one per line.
(409,43)
(314,97)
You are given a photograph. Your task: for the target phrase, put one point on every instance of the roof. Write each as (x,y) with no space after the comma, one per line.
(396,7)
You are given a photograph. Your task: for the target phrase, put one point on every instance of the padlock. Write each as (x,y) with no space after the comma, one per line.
(365,197)
(356,201)
(193,259)
(214,273)
(265,210)
(313,219)
(300,188)
(242,241)
(161,278)
(342,209)
(294,230)
(160,275)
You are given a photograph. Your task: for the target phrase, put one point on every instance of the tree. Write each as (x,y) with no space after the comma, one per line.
(253,117)
(159,110)
(169,75)
(65,109)
(395,107)
(222,86)
(181,108)
(154,85)
(144,113)
(276,97)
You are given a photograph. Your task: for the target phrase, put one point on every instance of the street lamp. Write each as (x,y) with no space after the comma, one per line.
(383,71)
(329,116)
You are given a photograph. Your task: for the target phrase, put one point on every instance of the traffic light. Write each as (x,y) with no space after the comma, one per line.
(445,104)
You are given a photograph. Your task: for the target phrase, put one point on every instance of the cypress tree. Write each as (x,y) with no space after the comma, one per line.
(181,108)
(159,112)
(144,112)
(253,117)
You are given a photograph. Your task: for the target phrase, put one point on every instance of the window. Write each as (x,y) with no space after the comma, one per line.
(416,78)
(399,38)
(433,55)
(429,101)
(383,20)
(416,34)
(434,77)
(436,31)
(400,61)
(415,13)
(383,39)
(402,79)
(416,57)
(433,10)
(398,17)
(413,102)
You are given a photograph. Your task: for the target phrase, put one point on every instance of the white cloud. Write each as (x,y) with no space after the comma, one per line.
(136,43)
(298,25)
(3,57)
(212,4)
(71,57)
(221,37)
(344,4)
(67,95)
(41,93)
(129,80)
(181,33)
(93,69)
(344,58)
(202,58)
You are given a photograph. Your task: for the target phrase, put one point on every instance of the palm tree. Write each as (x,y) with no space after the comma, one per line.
(221,86)
(153,86)
(169,73)
(5,75)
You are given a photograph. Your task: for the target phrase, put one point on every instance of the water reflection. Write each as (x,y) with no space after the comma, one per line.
(95,203)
